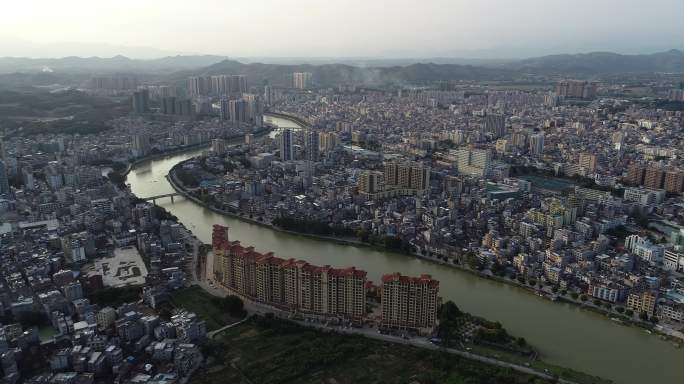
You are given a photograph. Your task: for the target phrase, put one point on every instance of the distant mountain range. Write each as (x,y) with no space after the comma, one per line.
(602,63)
(331,74)
(583,65)
(119,63)
(571,65)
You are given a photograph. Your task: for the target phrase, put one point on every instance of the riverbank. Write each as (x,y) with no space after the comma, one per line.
(176,185)
(159,155)
(530,289)
(613,315)
(287,116)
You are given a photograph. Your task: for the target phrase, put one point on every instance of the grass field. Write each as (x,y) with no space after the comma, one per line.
(267,351)
(271,351)
(194,299)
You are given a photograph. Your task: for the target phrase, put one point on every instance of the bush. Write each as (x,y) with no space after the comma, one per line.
(497,335)
(318,227)
(521,341)
(231,304)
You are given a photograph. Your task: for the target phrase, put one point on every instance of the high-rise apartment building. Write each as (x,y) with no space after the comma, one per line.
(3,151)
(674,181)
(268,95)
(588,162)
(371,182)
(676,95)
(4,179)
(218,146)
(217,85)
(114,82)
(635,174)
(654,177)
(301,80)
(237,84)
(220,85)
(141,101)
(407,175)
(288,284)
(537,144)
(140,144)
(328,141)
(312,145)
(172,105)
(168,105)
(286,145)
(238,111)
(576,89)
(254,108)
(199,85)
(495,125)
(474,162)
(224,109)
(409,302)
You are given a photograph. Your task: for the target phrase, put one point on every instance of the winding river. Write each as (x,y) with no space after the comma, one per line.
(564,334)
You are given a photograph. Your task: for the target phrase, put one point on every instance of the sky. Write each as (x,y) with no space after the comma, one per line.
(338,28)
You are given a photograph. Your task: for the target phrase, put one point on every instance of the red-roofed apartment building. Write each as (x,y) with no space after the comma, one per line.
(409,302)
(288,284)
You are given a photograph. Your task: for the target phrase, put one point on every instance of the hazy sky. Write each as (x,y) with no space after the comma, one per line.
(320,28)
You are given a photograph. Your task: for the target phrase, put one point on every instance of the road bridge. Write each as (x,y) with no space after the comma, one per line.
(153,199)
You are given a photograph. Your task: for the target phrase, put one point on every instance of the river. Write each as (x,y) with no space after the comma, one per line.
(564,334)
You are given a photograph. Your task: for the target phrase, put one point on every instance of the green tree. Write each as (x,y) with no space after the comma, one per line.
(233,305)
(521,341)
(449,322)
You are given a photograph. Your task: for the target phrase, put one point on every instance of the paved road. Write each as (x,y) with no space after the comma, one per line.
(229,326)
